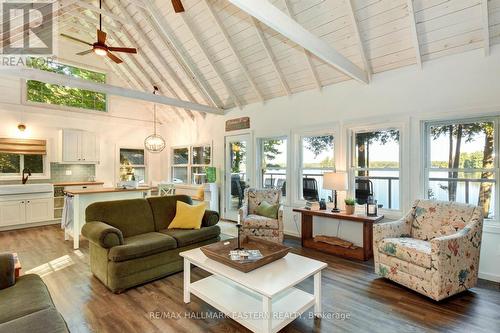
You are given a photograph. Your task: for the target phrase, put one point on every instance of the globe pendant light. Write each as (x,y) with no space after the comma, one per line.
(154,143)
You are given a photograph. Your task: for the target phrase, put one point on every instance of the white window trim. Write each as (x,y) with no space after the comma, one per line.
(17,176)
(145,166)
(190,164)
(426,158)
(403,129)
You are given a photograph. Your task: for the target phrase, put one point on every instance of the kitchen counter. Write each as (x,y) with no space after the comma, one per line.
(78,183)
(107,190)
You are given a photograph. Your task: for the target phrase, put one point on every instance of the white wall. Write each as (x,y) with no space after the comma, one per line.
(127,122)
(465,85)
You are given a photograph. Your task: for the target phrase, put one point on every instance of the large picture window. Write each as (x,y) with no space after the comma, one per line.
(273,159)
(41,92)
(317,157)
(461,163)
(189,164)
(376,167)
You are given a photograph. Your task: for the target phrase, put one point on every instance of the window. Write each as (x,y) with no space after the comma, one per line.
(133,165)
(376,167)
(189,164)
(273,159)
(317,157)
(46,93)
(461,163)
(13,164)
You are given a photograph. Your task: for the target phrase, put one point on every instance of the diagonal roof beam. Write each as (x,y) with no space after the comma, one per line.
(160,25)
(414,33)
(274,18)
(355,25)
(486,26)
(64,80)
(270,55)
(307,54)
(104,12)
(233,50)
(212,64)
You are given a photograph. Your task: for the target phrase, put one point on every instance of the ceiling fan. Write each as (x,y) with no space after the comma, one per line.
(100,47)
(178,7)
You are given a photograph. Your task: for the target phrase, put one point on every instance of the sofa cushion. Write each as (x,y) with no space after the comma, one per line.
(46,320)
(188,216)
(131,217)
(141,246)
(259,222)
(28,295)
(164,208)
(188,237)
(439,218)
(413,250)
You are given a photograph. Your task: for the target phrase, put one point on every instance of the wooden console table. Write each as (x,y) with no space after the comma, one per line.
(360,253)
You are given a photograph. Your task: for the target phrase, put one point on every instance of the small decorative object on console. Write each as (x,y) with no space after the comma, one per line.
(312,205)
(350,205)
(371,207)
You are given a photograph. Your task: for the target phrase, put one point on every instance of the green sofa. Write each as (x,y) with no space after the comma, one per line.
(130,244)
(25,302)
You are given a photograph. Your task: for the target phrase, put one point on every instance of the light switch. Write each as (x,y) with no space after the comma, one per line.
(69,172)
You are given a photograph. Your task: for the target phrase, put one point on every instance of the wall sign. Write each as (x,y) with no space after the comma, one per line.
(237,124)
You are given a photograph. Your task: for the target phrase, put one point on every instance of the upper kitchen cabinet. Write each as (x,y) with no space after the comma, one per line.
(78,147)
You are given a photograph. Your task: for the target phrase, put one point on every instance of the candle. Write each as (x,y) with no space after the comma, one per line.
(238,219)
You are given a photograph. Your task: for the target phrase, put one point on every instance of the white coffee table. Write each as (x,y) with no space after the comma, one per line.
(263,300)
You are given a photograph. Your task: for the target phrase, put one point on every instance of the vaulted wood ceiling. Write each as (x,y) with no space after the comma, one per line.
(216,54)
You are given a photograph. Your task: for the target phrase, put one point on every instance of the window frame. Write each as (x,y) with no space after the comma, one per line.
(145,166)
(392,213)
(189,164)
(259,159)
(24,91)
(15,176)
(426,158)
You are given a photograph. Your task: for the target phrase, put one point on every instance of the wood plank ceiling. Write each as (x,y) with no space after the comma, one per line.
(217,55)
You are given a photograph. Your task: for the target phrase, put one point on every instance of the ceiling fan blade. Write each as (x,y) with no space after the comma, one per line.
(122,49)
(76,39)
(101,37)
(114,58)
(85,52)
(178,7)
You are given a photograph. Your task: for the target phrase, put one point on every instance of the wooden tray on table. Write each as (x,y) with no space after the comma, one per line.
(270,252)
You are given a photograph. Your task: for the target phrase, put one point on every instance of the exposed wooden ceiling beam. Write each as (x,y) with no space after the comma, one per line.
(274,18)
(104,12)
(64,80)
(161,27)
(307,54)
(414,33)
(148,60)
(486,26)
(243,67)
(355,25)
(270,55)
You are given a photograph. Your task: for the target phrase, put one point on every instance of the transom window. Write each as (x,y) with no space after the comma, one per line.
(190,163)
(461,162)
(376,166)
(41,92)
(133,165)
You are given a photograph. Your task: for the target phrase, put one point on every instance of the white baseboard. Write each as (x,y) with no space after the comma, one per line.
(489,277)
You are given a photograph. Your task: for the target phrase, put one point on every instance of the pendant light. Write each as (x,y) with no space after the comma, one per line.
(154,143)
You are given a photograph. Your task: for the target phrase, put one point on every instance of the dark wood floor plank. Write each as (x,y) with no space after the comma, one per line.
(349,287)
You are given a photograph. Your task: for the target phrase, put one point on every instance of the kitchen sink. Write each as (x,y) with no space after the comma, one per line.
(25,189)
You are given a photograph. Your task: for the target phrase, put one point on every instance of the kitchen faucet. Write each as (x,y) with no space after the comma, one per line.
(25,177)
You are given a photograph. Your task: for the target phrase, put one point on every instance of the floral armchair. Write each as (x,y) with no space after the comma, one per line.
(433,250)
(261,226)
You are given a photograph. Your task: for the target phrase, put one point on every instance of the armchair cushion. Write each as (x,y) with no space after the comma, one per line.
(254,197)
(102,234)
(411,250)
(259,222)
(267,210)
(141,246)
(7,271)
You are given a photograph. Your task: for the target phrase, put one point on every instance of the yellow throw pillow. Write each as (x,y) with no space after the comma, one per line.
(188,216)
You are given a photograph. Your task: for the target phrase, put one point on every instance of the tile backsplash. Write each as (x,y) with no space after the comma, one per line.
(79,172)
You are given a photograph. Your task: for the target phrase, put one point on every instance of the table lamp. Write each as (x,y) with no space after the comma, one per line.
(335,181)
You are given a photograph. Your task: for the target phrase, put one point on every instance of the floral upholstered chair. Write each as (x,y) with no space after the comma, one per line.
(433,250)
(257,225)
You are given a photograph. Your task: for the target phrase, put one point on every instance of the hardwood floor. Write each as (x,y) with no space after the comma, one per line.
(373,304)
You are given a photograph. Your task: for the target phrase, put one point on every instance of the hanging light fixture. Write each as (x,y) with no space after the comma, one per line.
(154,143)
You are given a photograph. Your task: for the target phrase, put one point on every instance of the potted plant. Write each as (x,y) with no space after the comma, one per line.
(350,203)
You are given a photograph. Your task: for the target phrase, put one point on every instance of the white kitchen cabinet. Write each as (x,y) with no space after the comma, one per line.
(79,147)
(12,212)
(39,210)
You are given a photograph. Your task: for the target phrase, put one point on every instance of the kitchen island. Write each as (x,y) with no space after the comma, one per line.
(77,201)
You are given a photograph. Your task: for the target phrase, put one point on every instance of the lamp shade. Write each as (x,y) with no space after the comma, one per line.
(335,181)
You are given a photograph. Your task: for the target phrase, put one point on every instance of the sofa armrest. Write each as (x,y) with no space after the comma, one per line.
(210,218)
(7,270)
(102,234)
